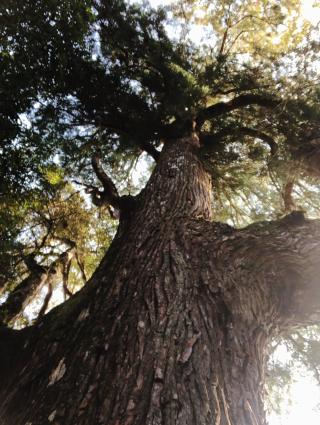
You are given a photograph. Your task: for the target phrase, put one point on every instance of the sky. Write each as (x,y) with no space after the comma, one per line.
(309,12)
(302,405)
(305,399)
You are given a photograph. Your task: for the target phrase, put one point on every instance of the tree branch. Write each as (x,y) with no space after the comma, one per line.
(241,101)
(117,125)
(272,269)
(288,201)
(22,295)
(81,267)
(110,194)
(280,260)
(211,139)
(32,265)
(45,302)
(39,275)
(65,277)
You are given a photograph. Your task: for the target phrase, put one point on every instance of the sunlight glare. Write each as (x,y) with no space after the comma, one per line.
(311,12)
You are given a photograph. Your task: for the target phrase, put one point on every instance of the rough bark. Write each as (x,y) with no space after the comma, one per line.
(173,327)
(288,201)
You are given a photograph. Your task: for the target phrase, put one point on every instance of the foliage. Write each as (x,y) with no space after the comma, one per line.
(45,227)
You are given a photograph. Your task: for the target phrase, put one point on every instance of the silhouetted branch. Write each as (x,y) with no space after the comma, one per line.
(211,139)
(45,302)
(109,195)
(65,277)
(241,101)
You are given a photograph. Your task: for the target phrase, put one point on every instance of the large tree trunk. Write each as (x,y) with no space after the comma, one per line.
(173,327)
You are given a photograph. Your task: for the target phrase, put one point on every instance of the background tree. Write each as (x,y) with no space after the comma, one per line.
(175,324)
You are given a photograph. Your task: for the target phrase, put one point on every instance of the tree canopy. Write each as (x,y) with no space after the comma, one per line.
(88,86)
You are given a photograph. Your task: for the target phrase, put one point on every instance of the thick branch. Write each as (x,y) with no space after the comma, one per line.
(274,271)
(109,195)
(39,275)
(211,139)
(117,124)
(22,294)
(3,284)
(241,101)
(81,267)
(288,201)
(31,263)
(65,277)
(110,189)
(46,301)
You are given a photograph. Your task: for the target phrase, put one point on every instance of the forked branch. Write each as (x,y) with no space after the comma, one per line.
(109,195)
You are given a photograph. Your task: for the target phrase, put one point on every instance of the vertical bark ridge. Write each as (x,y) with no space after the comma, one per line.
(180,186)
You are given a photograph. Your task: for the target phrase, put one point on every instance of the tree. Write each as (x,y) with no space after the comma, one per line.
(174,325)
